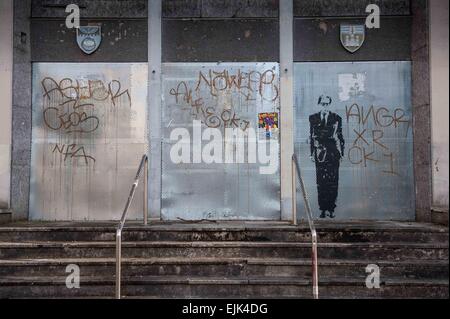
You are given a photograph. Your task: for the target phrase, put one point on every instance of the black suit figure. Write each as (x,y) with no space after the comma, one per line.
(327,150)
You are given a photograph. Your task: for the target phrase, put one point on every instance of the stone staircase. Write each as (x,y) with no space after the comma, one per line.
(224,260)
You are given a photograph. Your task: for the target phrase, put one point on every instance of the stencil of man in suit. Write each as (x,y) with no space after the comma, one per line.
(327,150)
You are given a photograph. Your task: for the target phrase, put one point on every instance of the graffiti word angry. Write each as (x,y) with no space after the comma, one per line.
(378,116)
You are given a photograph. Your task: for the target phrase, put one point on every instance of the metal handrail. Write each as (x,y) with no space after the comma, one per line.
(312,227)
(142,167)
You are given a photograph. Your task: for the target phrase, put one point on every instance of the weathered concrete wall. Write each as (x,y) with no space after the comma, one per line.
(220,8)
(6,60)
(21,112)
(220,31)
(124,31)
(439,38)
(238,36)
(345,8)
(318,40)
(236,40)
(317,29)
(91,9)
(122,41)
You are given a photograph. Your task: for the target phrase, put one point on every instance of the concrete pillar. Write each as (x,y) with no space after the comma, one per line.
(287,104)
(439,58)
(421,108)
(21,112)
(6,68)
(154,106)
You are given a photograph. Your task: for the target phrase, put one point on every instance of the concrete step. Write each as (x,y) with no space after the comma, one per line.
(220,287)
(375,252)
(5,216)
(346,233)
(204,267)
(224,260)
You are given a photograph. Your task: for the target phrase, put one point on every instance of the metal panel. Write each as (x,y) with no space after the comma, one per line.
(217,191)
(373,99)
(89,133)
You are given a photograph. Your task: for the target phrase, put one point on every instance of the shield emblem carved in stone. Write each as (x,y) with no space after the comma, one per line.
(89,38)
(353,36)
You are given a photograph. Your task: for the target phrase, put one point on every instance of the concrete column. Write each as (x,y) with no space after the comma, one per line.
(439,57)
(154,105)
(287,104)
(421,108)
(21,112)
(6,68)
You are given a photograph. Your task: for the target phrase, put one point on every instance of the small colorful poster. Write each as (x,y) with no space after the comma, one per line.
(268,126)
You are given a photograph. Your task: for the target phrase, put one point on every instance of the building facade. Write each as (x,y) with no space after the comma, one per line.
(365,110)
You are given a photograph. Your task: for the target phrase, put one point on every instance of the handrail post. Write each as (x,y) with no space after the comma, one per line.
(142,167)
(314,240)
(118,263)
(146,192)
(315,266)
(294,194)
